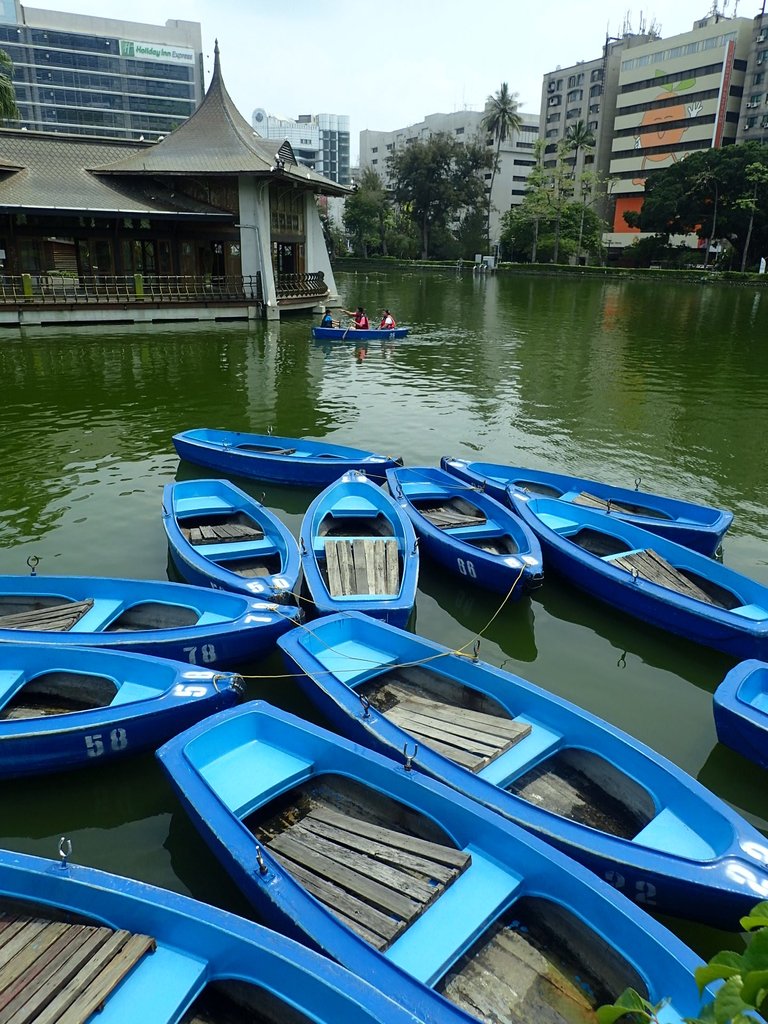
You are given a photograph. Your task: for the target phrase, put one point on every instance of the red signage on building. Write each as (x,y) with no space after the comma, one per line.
(722,103)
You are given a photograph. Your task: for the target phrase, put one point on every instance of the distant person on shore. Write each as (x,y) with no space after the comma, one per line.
(360,320)
(387,321)
(328,320)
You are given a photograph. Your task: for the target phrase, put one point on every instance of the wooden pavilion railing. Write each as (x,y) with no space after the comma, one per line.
(53,289)
(300,286)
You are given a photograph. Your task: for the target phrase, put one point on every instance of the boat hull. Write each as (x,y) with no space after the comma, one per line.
(270,754)
(672,845)
(152,699)
(498,552)
(210,628)
(359,552)
(261,543)
(740,630)
(699,527)
(195,946)
(284,460)
(740,708)
(354,334)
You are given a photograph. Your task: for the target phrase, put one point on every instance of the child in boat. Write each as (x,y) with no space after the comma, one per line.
(360,319)
(328,320)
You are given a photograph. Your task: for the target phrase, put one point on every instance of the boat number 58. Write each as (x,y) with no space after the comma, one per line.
(466,568)
(95,743)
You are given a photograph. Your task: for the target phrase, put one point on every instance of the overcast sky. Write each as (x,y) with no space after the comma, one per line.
(389,64)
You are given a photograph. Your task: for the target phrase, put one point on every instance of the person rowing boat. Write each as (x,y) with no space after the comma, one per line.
(359,319)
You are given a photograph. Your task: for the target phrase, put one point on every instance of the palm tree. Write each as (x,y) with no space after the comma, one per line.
(8,108)
(499,120)
(578,139)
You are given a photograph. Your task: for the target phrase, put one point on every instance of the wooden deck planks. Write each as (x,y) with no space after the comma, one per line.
(362,565)
(221,533)
(446,516)
(652,567)
(55,618)
(54,972)
(376,879)
(592,501)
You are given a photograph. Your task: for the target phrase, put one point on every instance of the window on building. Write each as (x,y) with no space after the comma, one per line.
(459,131)
(375,161)
(552,133)
(751,122)
(596,75)
(594,108)
(759,78)
(390,146)
(524,163)
(596,90)
(554,101)
(575,95)
(553,117)
(375,149)
(592,125)
(573,112)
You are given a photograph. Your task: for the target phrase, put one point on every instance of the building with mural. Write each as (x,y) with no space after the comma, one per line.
(102,77)
(675,96)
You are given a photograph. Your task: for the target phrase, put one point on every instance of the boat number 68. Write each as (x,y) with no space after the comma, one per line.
(94,744)
(466,568)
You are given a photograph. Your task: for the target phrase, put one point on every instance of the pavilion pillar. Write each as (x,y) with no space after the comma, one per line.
(255,238)
(317,250)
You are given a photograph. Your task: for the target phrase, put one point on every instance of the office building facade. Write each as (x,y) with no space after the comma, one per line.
(516,155)
(320,141)
(102,77)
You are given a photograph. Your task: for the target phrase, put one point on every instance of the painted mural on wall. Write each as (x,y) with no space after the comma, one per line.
(665,126)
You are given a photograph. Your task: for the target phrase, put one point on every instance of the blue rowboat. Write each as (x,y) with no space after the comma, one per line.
(358,551)
(114,950)
(655,579)
(353,334)
(195,625)
(597,794)
(409,883)
(221,537)
(468,532)
(741,710)
(71,707)
(283,460)
(699,527)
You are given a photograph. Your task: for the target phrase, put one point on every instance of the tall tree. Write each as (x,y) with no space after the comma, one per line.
(365,214)
(8,109)
(578,139)
(435,180)
(501,118)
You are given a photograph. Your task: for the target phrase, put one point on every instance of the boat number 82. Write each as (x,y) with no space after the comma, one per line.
(466,568)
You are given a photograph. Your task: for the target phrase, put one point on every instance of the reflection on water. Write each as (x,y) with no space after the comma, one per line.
(614,380)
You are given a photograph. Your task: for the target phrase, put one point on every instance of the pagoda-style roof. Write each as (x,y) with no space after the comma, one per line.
(46,171)
(217,140)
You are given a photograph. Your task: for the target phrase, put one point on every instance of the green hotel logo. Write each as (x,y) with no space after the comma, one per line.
(156,51)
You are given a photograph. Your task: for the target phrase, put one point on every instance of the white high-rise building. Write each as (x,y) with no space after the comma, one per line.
(516,157)
(320,141)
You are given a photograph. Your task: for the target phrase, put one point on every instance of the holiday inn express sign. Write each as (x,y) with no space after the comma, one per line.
(156,51)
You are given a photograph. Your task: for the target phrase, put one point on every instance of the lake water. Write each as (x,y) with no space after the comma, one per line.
(614,380)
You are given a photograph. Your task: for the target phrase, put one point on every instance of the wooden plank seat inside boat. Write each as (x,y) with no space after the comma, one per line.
(609,505)
(415,701)
(221,533)
(56,618)
(450,514)
(62,971)
(649,565)
(265,449)
(376,879)
(362,566)
(53,693)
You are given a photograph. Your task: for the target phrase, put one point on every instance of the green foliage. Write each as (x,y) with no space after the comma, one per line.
(716,193)
(366,214)
(8,109)
(435,181)
(742,994)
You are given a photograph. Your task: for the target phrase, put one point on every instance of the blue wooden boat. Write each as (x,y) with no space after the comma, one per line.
(359,552)
(609,801)
(466,531)
(655,579)
(741,710)
(70,707)
(411,884)
(83,945)
(354,334)
(221,537)
(284,460)
(699,527)
(171,620)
